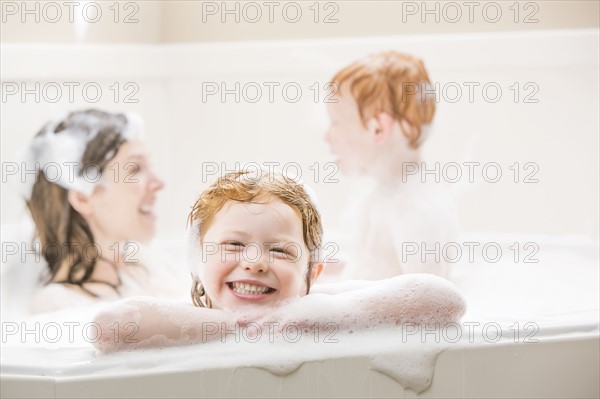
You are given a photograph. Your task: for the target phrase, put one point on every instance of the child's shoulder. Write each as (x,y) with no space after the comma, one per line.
(427,197)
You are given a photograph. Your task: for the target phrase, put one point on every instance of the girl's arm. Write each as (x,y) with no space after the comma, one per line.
(144,322)
(417,298)
(406,299)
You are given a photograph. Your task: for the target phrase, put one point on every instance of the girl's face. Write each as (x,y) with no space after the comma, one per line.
(121,207)
(254,254)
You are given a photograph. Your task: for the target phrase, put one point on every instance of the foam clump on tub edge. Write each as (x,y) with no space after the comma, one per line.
(415,298)
(365,322)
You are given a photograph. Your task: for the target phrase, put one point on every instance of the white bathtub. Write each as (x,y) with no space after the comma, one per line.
(555,367)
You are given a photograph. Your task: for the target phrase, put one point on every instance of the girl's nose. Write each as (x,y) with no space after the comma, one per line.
(253,261)
(256,267)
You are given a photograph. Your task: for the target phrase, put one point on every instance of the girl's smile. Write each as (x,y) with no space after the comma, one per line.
(261,257)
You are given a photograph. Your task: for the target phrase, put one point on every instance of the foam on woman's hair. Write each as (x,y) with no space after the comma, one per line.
(59,155)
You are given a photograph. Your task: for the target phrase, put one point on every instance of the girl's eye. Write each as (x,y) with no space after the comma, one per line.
(283,253)
(232,246)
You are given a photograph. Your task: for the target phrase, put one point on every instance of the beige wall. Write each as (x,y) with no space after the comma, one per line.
(368,18)
(198,21)
(50,24)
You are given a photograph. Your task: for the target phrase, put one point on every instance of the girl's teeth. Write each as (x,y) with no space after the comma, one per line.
(245,288)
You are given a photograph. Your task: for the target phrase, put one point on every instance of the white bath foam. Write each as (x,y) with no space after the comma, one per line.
(562,287)
(413,369)
(18,278)
(67,328)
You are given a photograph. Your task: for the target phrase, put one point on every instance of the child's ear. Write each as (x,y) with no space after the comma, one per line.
(409,131)
(80,202)
(380,126)
(316,272)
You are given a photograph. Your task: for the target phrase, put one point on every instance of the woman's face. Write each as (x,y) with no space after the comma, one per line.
(121,208)
(254,254)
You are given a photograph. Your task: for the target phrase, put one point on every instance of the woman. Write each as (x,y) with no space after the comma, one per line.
(92,204)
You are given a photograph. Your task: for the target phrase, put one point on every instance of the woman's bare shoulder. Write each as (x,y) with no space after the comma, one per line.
(55,296)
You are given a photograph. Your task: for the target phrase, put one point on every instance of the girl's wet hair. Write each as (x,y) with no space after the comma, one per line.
(256,187)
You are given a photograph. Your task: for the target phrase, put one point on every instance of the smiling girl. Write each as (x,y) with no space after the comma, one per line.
(256,238)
